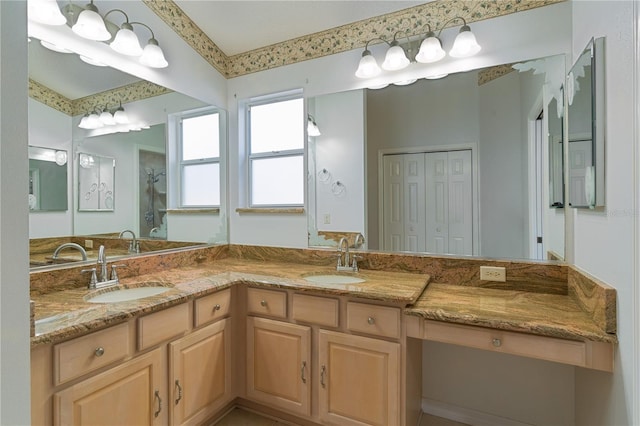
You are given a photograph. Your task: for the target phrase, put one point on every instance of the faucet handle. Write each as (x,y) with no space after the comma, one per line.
(354,264)
(114,273)
(94,278)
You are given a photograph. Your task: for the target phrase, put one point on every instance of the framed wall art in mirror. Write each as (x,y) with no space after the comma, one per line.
(586,128)
(47,179)
(96,178)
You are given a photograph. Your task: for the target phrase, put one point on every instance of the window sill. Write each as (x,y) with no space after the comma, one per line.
(271,210)
(211,210)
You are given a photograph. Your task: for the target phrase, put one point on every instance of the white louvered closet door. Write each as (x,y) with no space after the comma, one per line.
(427,202)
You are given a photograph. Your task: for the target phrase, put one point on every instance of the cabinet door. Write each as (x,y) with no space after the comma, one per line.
(129,394)
(359,380)
(278,364)
(200,373)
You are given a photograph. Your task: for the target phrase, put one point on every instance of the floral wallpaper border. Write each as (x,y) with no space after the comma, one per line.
(489,74)
(339,39)
(128,93)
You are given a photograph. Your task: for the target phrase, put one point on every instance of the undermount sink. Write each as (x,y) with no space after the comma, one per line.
(334,279)
(127,294)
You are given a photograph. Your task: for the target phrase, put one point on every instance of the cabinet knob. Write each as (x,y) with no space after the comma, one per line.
(263,303)
(497,342)
(371,320)
(99,351)
(216,308)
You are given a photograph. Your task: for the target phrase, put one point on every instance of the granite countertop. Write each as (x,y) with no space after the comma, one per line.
(543,314)
(64,314)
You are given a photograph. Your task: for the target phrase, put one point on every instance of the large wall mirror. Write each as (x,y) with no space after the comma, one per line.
(458,165)
(139,197)
(585,96)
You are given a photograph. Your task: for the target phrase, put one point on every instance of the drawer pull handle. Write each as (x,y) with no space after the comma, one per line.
(156,395)
(304,366)
(323,370)
(263,303)
(99,351)
(179,391)
(216,308)
(371,320)
(497,342)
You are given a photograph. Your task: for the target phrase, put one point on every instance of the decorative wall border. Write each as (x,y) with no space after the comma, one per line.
(53,99)
(489,74)
(125,94)
(335,40)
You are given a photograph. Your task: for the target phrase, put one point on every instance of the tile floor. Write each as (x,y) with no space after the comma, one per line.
(239,417)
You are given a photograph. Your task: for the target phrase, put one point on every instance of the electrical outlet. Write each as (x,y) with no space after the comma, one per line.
(88,244)
(327,218)
(493,273)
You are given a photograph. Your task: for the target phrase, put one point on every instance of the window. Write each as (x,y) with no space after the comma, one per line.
(200,160)
(276,153)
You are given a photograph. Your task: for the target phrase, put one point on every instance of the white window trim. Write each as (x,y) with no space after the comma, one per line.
(264,100)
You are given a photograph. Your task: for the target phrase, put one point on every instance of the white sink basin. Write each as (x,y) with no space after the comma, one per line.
(334,279)
(126,294)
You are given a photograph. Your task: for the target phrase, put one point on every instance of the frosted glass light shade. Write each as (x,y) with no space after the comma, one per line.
(45,12)
(395,59)
(107,118)
(368,67)
(126,41)
(152,55)
(121,116)
(312,128)
(430,50)
(90,25)
(465,44)
(93,121)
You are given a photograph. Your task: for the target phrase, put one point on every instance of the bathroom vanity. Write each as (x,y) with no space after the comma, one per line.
(238,326)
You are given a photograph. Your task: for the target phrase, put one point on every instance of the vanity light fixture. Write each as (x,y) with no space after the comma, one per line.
(312,127)
(98,118)
(120,115)
(90,24)
(126,41)
(93,26)
(46,12)
(464,46)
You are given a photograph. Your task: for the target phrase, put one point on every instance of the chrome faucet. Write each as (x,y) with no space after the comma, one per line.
(134,245)
(101,279)
(102,264)
(69,245)
(359,241)
(344,257)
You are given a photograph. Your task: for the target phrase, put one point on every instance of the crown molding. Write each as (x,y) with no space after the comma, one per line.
(51,98)
(489,74)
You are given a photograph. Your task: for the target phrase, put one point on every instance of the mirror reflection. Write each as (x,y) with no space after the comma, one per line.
(47,179)
(138,199)
(586,127)
(453,166)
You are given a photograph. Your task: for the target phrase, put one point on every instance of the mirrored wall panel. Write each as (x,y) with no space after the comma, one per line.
(47,179)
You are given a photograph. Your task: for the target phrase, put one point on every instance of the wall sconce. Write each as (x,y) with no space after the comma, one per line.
(90,25)
(464,46)
(312,127)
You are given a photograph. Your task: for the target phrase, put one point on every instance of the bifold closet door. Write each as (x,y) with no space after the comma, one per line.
(449,202)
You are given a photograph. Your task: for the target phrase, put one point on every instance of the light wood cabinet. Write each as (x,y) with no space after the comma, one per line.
(129,394)
(200,373)
(278,364)
(359,380)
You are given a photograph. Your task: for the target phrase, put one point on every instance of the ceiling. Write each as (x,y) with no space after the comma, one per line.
(234,26)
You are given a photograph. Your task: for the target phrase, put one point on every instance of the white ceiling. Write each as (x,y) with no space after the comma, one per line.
(235,26)
(240,26)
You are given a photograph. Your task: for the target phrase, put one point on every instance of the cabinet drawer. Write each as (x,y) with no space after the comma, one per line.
(82,355)
(163,325)
(213,307)
(315,310)
(373,319)
(541,347)
(267,302)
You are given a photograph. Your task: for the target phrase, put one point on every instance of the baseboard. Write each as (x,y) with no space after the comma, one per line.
(466,415)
